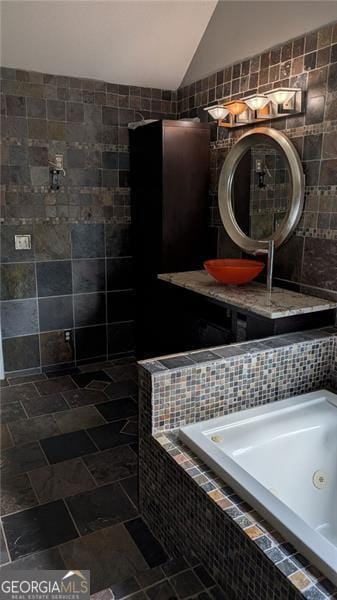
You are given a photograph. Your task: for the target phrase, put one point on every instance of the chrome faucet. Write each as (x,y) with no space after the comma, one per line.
(270,263)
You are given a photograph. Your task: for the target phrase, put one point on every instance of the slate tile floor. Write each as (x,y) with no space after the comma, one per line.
(69,490)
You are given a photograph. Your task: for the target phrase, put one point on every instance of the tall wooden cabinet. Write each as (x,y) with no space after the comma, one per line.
(169,163)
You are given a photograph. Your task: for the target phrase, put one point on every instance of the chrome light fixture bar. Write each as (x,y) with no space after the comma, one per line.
(272,104)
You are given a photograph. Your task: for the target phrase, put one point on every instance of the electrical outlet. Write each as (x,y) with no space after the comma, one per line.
(67,335)
(23,242)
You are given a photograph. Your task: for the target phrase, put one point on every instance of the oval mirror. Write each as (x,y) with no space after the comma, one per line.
(261,189)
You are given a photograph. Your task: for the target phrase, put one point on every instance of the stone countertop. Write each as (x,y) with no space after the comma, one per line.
(251,297)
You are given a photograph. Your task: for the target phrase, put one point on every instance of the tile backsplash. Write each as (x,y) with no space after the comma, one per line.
(309,62)
(77,276)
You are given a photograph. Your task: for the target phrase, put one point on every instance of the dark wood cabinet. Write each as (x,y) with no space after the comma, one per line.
(169,163)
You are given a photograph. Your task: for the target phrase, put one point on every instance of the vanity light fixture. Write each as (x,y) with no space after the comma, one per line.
(257,101)
(281,95)
(259,107)
(217,111)
(236,107)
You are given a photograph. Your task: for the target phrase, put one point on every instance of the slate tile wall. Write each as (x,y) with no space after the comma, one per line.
(78,274)
(309,258)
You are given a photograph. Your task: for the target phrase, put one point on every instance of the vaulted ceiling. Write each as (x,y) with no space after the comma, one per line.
(147,43)
(155,43)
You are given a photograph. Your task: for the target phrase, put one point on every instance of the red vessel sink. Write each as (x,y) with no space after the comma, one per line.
(233,271)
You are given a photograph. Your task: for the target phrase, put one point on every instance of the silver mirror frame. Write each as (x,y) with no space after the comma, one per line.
(225,189)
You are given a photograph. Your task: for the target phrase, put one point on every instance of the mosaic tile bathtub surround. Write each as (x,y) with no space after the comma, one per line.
(248,374)
(189,506)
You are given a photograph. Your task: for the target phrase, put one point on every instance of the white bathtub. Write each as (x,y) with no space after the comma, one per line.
(282,459)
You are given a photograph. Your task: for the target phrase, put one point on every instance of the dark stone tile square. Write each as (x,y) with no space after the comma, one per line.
(317,271)
(203,356)
(18,281)
(87,240)
(76,419)
(56,110)
(11,411)
(84,397)
(43,405)
(114,464)
(55,386)
(90,342)
(186,584)
(55,349)
(19,317)
(16,494)
(75,112)
(29,430)
(47,559)
(100,508)
(150,548)
(312,147)
(21,459)
(118,240)
(118,409)
(25,391)
(121,338)
(90,309)
(16,106)
(121,389)
(110,161)
(38,156)
(66,446)
(36,107)
(54,278)
(56,313)
(38,528)
(89,275)
(111,435)
(83,379)
(110,115)
(109,553)
(121,306)
(120,273)
(176,361)
(60,480)
(21,353)
(52,241)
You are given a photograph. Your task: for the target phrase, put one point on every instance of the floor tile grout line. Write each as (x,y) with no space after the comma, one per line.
(93,441)
(5,540)
(72,518)
(88,470)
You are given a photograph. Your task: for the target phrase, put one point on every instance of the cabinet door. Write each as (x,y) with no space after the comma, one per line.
(185,196)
